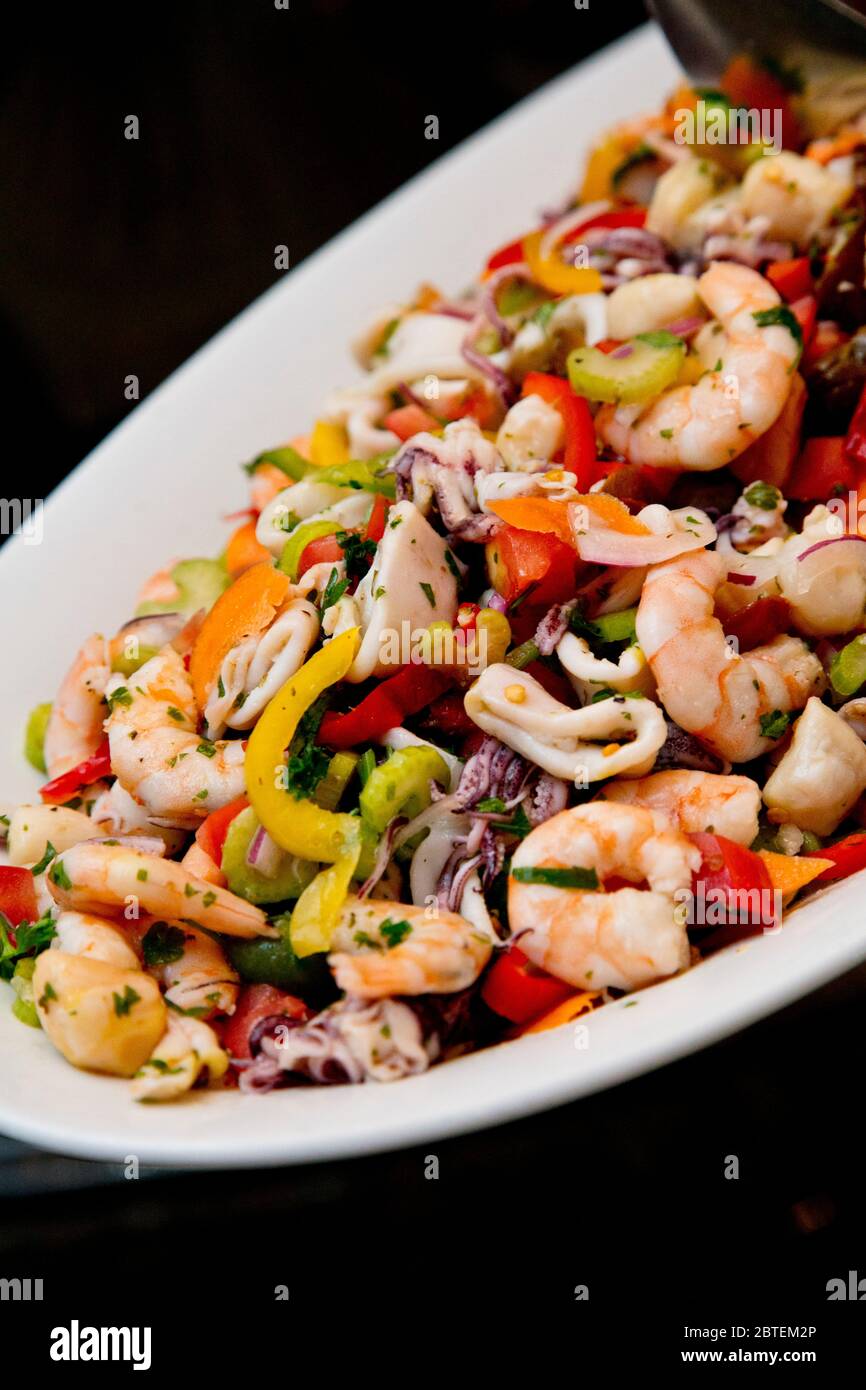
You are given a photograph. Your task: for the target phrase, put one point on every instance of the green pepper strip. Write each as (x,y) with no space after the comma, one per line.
(300,826)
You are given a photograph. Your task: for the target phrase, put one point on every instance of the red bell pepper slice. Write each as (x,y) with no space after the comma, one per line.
(211,834)
(793,278)
(823,470)
(738,878)
(255,1003)
(68,784)
(517,990)
(759,622)
(386,707)
(580,450)
(855,440)
(17,895)
(848,856)
(512,254)
(624,217)
(410,419)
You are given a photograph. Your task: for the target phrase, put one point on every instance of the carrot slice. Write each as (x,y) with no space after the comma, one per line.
(544,514)
(791,872)
(247,607)
(244,550)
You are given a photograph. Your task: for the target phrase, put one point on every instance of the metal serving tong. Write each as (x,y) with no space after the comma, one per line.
(820,43)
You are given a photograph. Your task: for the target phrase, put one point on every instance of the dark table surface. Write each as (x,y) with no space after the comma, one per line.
(265,127)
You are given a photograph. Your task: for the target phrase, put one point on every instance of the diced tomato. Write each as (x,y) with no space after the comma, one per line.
(410,419)
(759,622)
(805,311)
(736,879)
(855,440)
(375,528)
(17,895)
(511,254)
(822,471)
(848,856)
(793,278)
(324,549)
(68,784)
(256,1002)
(828,336)
(609,344)
(517,990)
(532,559)
(211,834)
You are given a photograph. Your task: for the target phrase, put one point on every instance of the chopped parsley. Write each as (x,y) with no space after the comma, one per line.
(334,589)
(175,714)
(124,1002)
(774,725)
(357,552)
(395,932)
(428,593)
(308,762)
(207,748)
(48,994)
(19,941)
(452,565)
(57,873)
(780,315)
(162,944)
(120,696)
(763,496)
(50,853)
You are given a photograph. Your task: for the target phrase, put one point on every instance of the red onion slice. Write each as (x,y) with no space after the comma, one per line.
(263,854)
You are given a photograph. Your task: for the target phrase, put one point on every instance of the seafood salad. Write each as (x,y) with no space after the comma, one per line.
(534,673)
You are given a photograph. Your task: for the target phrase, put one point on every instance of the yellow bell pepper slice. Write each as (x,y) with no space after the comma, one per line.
(300,826)
(600,169)
(328,444)
(554,275)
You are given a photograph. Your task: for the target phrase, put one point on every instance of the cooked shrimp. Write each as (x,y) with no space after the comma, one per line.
(187,1049)
(696,801)
(749,370)
(155,751)
(383,948)
(83,934)
(74,729)
(191,967)
(115,812)
(623,939)
(123,881)
(706,687)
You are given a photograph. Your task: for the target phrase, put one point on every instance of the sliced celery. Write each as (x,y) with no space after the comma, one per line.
(652,365)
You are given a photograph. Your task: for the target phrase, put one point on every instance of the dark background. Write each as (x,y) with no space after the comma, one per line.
(262,127)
